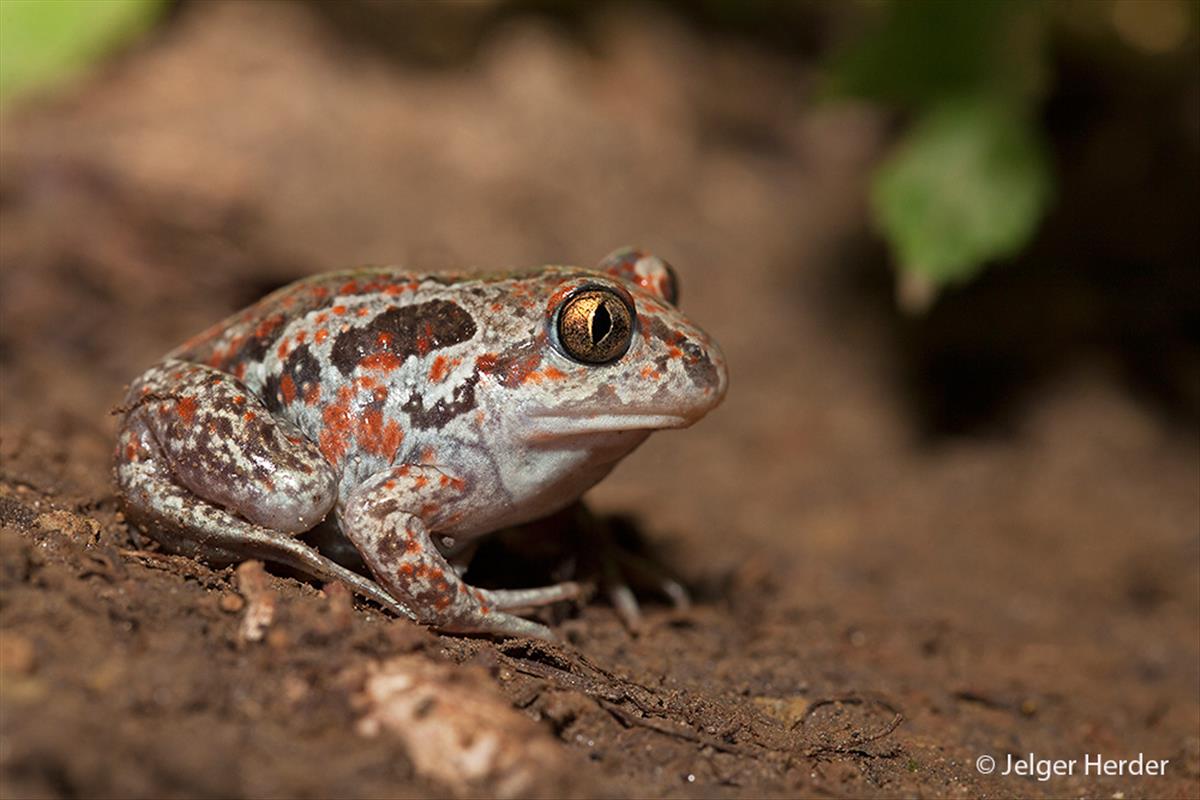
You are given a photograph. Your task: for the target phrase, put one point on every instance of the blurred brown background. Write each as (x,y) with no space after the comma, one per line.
(983,519)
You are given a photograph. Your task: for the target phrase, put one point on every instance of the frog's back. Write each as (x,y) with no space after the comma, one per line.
(243,339)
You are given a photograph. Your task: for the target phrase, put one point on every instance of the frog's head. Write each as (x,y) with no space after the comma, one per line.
(612,354)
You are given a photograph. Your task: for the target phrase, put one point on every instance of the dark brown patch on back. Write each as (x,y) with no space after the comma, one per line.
(414,330)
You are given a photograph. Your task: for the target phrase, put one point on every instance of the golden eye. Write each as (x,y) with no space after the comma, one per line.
(595,326)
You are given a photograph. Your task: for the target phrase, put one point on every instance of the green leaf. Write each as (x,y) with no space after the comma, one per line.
(968,185)
(45,41)
(923,51)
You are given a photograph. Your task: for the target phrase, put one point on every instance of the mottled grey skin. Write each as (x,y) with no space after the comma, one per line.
(408,405)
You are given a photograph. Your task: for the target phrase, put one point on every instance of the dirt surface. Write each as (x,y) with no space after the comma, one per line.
(878,601)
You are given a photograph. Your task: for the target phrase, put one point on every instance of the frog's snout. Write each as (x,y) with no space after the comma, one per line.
(704,365)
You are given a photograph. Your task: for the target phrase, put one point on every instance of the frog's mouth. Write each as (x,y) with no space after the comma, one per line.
(563,423)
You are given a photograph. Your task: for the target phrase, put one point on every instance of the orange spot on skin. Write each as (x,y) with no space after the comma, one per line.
(407,569)
(427,455)
(131,450)
(320,336)
(389,485)
(385,362)
(321,318)
(362,311)
(312,394)
(339,310)
(497,307)
(419,482)
(269,324)
(650,372)
(335,436)
(288,387)
(412,546)
(438,370)
(186,408)
(554,373)
(239,400)
(378,436)
(301,337)
(249,416)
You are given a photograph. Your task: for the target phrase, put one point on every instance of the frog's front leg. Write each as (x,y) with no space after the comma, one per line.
(391,518)
(206,470)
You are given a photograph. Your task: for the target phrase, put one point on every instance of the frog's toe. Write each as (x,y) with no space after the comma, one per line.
(497,623)
(532,598)
(622,570)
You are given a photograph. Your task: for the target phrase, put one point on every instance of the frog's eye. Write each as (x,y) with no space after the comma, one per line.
(595,326)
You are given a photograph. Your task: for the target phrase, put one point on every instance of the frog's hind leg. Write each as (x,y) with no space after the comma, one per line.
(188,463)
(222,443)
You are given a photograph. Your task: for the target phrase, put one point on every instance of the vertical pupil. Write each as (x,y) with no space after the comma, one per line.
(601,323)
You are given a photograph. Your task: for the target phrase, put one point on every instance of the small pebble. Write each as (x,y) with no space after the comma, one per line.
(232,603)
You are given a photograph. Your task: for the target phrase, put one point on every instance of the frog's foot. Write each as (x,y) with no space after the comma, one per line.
(395,541)
(206,471)
(622,570)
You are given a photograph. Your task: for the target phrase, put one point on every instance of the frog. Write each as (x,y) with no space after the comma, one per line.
(417,412)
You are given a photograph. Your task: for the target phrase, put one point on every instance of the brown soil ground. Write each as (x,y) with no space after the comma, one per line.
(896,569)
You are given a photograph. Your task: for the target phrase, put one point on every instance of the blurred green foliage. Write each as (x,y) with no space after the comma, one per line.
(971,179)
(45,41)
(967,185)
